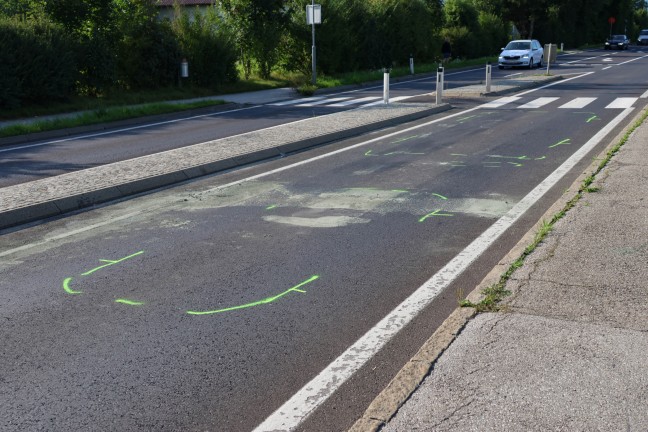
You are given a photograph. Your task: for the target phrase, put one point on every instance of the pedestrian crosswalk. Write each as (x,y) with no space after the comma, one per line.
(507,102)
(517,102)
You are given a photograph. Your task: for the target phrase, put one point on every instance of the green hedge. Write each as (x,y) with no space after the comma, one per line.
(37,63)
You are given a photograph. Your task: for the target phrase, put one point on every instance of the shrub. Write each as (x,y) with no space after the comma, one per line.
(37,62)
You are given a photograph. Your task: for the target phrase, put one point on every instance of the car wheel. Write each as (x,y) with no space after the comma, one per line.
(540,62)
(531,63)
(500,67)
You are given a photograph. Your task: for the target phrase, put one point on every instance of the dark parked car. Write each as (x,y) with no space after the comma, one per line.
(617,42)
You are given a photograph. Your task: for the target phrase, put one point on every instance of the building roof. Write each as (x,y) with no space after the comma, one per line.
(184,2)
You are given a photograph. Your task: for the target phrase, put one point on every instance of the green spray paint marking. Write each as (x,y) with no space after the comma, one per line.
(129,302)
(463,119)
(368,153)
(563,142)
(402,152)
(404,139)
(435,213)
(458,154)
(541,158)
(66,287)
(440,196)
(260,302)
(515,164)
(111,262)
(594,117)
(271,207)
(66,281)
(510,157)
(400,190)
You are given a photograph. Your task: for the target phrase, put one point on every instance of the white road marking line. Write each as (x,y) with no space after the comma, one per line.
(356,101)
(500,102)
(580,102)
(608,59)
(296,101)
(622,103)
(292,413)
(537,103)
(394,99)
(645,95)
(125,129)
(606,68)
(554,83)
(512,75)
(323,101)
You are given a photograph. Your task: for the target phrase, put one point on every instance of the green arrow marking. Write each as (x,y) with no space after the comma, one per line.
(257,303)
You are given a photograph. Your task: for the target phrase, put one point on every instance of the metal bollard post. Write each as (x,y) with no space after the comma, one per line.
(411,64)
(549,58)
(562,46)
(489,71)
(386,86)
(439,85)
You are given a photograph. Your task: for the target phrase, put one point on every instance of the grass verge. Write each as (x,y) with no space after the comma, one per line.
(495,294)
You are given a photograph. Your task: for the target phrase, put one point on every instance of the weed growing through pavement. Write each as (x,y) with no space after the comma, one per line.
(494,294)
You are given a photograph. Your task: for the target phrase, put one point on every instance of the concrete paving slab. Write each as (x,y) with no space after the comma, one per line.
(513,372)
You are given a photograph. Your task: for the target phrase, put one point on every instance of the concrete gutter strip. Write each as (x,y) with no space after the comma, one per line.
(57,195)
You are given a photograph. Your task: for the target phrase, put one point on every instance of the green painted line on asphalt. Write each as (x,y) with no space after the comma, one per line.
(270,207)
(440,196)
(515,164)
(129,302)
(368,153)
(403,152)
(110,263)
(594,117)
(257,303)
(435,213)
(66,287)
(524,157)
(400,190)
(563,142)
(458,154)
(404,139)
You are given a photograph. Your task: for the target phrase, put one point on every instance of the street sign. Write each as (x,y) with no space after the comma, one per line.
(313,14)
(611,20)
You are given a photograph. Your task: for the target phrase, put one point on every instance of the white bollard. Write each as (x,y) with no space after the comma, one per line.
(386,86)
(489,71)
(439,85)
(549,58)
(411,64)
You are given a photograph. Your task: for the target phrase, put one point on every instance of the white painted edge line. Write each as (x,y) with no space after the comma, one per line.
(554,83)
(292,413)
(22,147)
(355,101)
(645,95)
(626,62)
(323,101)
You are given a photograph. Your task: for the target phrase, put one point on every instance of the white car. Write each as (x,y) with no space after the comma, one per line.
(521,53)
(643,37)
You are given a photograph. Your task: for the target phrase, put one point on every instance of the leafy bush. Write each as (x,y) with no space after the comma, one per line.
(208,45)
(37,62)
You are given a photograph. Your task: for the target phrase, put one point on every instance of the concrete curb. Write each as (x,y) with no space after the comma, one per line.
(60,205)
(410,377)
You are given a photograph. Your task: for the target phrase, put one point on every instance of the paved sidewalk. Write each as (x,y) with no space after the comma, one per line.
(570,350)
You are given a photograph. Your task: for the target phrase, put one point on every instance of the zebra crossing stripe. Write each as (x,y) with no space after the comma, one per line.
(621,103)
(539,102)
(323,101)
(296,101)
(501,102)
(394,99)
(578,103)
(355,101)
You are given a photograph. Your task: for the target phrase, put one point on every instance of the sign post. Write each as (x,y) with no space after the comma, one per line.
(314,16)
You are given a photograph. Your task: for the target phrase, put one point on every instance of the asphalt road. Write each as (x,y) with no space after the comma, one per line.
(40,159)
(208,305)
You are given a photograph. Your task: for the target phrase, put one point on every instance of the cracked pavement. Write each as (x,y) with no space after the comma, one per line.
(569,351)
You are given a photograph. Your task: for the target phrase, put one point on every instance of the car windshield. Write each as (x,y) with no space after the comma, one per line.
(643,32)
(518,46)
(618,37)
